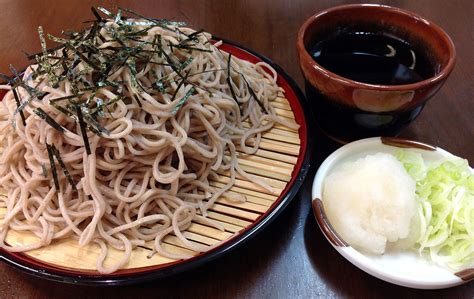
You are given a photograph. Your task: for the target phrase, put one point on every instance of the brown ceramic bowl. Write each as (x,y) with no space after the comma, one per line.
(347,110)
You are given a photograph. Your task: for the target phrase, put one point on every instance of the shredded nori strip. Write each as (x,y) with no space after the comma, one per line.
(252,93)
(45,171)
(186,47)
(40,112)
(191,37)
(84,58)
(33,92)
(82,124)
(144,247)
(18,104)
(133,72)
(183,100)
(186,63)
(159,22)
(96,14)
(64,111)
(34,55)
(43,43)
(65,98)
(53,166)
(21,107)
(179,86)
(63,166)
(229,82)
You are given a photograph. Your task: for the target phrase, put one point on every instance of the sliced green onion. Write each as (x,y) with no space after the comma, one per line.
(446,198)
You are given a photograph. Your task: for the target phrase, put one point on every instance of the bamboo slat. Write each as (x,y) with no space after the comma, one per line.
(279,135)
(240,181)
(280,147)
(270,172)
(240,213)
(246,191)
(209,231)
(281,106)
(255,199)
(200,238)
(285,113)
(262,158)
(248,206)
(277,157)
(236,222)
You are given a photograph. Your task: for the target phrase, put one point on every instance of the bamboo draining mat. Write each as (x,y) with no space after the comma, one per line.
(273,162)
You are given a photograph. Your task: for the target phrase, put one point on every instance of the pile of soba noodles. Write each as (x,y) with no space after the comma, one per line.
(113,136)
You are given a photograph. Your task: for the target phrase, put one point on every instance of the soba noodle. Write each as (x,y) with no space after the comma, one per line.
(157,134)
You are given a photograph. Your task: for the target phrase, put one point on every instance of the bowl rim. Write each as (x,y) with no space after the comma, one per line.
(304,56)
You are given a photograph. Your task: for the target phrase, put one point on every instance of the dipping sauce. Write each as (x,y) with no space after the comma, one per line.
(376,57)
(372,58)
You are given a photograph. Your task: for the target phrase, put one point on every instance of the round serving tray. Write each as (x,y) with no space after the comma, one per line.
(299,157)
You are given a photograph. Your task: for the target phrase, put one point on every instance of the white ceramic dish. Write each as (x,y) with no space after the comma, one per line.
(401,268)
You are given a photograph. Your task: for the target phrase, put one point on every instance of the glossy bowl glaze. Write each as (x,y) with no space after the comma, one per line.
(403,268)
(397,105)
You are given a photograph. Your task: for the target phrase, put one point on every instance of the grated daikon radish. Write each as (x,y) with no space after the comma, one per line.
(370,201)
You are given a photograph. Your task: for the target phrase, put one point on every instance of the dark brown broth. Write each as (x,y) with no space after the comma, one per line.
(372,58)
(368,57)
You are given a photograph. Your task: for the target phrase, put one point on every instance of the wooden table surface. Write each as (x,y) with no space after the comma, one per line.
(290,258)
